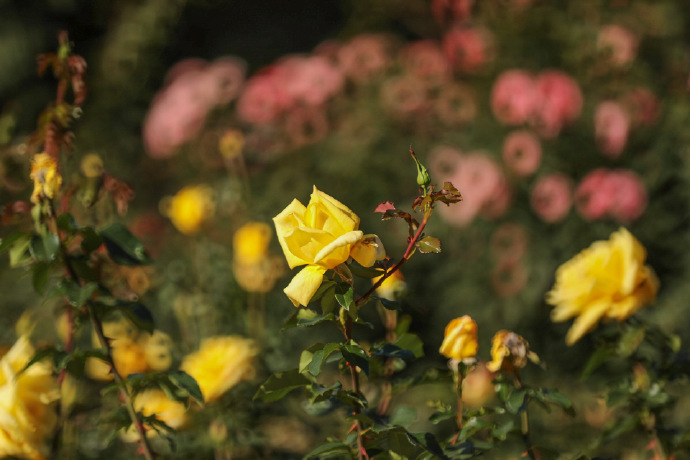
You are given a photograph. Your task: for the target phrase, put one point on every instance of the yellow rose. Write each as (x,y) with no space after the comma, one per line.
(157,350)
(392,286)
(608,280)
(220,364)
(155,402)
(47,179)
(28,416)
(321,236)
(460,339)
(509,351)
(250,243)
(190,208)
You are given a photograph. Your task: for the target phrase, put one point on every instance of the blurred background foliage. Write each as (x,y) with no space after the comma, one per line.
(361,158)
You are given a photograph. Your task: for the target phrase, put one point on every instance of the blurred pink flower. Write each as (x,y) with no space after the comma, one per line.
(444,161)
(425,60)
(455,104)
(522,152)
(449,11)
(618,193)
(365,56)
(228,74)
(176,115)
(559,103)
(310,80)
(184,66)
(509,242)
(643,105)
(264,97)
(468,49)
(481,182)
(403,96)
(631,195)
(552,197)
(509,277)
(611,128)
(306,125)
(514,97)
(619,44)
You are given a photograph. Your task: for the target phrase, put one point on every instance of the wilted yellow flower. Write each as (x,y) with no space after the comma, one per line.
(322,235)
(391,286)
(250,243)
(608,280)
(47,179)
(231,144)
(190,208)
(220,364)
(27,411)
(509,351)
(460,339)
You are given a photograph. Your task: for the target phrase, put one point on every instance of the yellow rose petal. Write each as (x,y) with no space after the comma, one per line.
(368,250)
(289,219)
(460,339)
(338,251)
(303,286)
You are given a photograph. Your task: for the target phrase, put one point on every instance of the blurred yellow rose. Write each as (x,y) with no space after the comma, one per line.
(92,166)
(392,286)
(478,387)
(322,235)
(250,243)
(47,179)
(190,208)
(608,280)
(231,144)
(220,364)
(28,416)
(460,339)
(155,402)
(509,351)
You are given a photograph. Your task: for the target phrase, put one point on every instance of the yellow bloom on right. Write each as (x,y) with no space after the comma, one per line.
(607,281)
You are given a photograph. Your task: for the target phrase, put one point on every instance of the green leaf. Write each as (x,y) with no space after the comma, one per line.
(392,351)
(345,296)
(90,240)
(320,356)
(66,223)
(472,426)
(43,353)
(516,401)
(45,248)
(328,302)
(428,245)
(558,399)
(335,449)
(39,276)
(19,251)
(139,315)
(124,248)
(410,342)
(621,426)
(500,432)
(387,303)
(631,339)
(326,284)
(354,354)
(600,355)
(280,384)
(403,416)
(186,382)
(76,295)
(365,272)
(7,242)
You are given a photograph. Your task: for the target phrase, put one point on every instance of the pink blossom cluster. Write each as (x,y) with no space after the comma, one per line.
(548,101)
(480,179)
(611,193)
(193,88)
(552,197)
(618,44)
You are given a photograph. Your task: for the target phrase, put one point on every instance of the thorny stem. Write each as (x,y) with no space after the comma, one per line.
(396,267)
(98,328)
(524,424)
(459,417)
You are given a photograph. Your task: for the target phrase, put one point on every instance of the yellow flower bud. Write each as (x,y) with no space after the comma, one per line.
(460,339)
(92,166)
(509,351)
(157,350)
(478,387)
(392,286)
(250,242)
(231,144)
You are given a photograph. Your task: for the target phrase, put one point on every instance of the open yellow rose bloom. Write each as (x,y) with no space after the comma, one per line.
(322,235)
(608,280)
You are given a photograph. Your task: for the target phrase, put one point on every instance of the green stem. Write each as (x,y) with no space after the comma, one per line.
(524,424)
